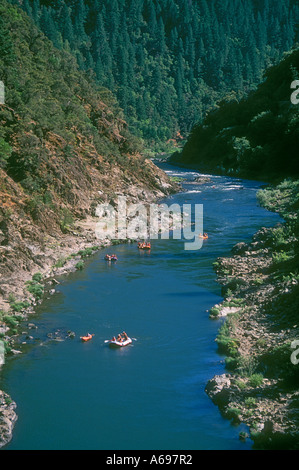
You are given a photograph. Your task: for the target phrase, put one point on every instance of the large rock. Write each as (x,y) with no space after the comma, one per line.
(8,418)
(218,389)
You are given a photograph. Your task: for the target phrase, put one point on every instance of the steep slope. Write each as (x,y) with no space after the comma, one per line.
(64,148)
(169,61)
(256,137)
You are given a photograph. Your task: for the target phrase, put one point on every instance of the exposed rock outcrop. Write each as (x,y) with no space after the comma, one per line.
(8,418)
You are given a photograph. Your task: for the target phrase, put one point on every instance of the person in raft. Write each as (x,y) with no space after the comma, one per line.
(119,338)
(125,335)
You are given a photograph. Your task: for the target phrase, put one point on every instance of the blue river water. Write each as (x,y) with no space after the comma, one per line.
(150,395)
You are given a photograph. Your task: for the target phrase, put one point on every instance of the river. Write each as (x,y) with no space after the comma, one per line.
(149,395)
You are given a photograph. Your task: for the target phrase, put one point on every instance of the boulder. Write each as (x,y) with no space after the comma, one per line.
(218,389)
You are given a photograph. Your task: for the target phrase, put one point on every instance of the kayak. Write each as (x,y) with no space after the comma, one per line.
(120,344)
(86,338)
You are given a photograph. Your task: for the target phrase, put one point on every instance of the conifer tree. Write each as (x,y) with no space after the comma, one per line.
(6,47)
(48,25)
(207,49)
(36,11)
(66,25)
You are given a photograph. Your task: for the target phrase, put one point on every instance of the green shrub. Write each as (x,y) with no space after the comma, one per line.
(10,321)
(5,152)
(60,263)
(66,221)
(7,347)
(80,265)
(225,340)
(176,179)
(236,302)
(86,253)
(36,289)
(240,384)
(116,242)
(233,413)
(11,298)
(250,402)
(256,380)
(291,278)
(214,312)
(37,277)
(281,257)
(247,366)
(19,306)
(231,363)
(8,400)
(261,342)
(216,265)
(280,236)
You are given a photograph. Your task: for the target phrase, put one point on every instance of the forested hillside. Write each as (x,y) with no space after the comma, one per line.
(169,61)
(255,137)
(64,147)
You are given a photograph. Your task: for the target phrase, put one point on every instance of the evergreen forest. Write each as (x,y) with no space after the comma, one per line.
(169,62)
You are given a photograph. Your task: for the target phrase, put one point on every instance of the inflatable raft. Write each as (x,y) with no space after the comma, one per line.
(111,258)
(86,338)
(144,246)
(119,344)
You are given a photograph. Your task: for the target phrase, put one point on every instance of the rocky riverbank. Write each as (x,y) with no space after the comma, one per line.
(60,257)
(8,418)
(260,287)
(31,267)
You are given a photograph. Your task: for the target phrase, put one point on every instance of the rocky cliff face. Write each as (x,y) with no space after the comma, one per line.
(35,239)
(64,148)
(8,418)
